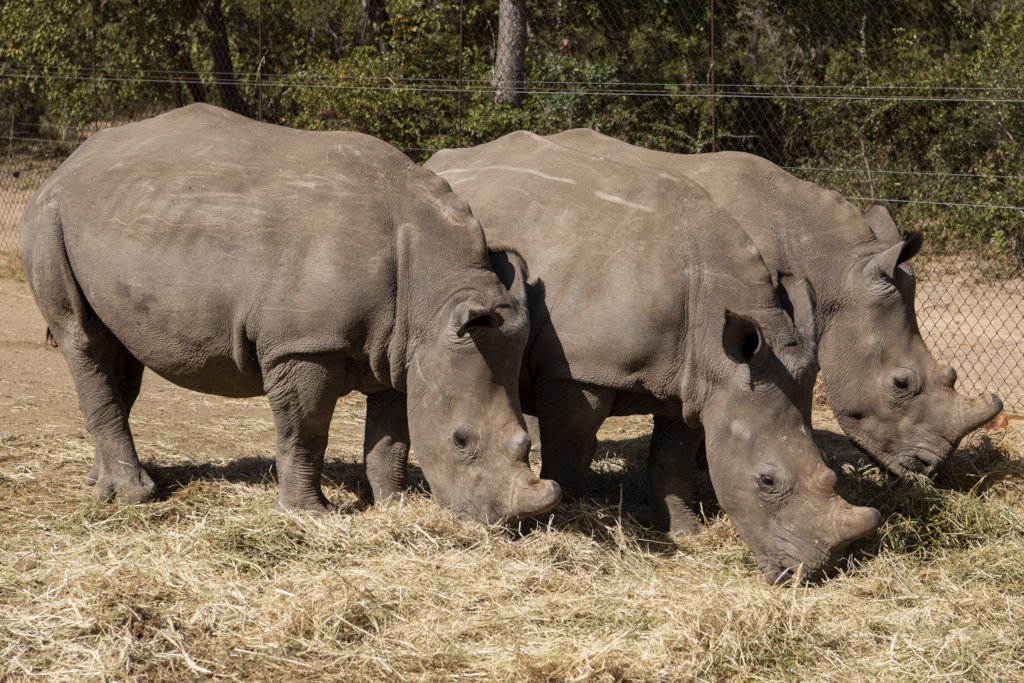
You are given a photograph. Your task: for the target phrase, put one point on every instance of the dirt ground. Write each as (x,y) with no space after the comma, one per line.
(977,326)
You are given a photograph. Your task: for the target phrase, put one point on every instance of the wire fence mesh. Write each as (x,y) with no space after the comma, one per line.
(916,103)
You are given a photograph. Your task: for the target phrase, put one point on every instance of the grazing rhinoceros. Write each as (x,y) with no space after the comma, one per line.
(647,297)
(888,393)
(239,258)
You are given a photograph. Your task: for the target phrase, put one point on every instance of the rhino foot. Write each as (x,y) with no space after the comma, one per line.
(676,518)
(684,529)
(128,486)
(321,507)
(94,474)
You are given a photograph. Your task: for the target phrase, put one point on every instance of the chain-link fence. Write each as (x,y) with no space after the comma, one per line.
(916,103)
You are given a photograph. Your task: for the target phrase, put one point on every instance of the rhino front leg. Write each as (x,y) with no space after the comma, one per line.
(570,413)
(670,466)
(386,445)
(302,392)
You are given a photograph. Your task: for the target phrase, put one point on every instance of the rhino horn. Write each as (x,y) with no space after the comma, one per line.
(977,411)
(849,522)
(852,522)
(532,496)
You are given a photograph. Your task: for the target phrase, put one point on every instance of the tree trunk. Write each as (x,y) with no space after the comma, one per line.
(510,60)
(188,74)
(227,89)
(376,18)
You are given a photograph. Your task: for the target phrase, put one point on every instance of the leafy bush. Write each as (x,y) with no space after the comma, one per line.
(909,100)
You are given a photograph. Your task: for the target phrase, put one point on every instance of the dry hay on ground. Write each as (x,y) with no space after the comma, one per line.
(208,583)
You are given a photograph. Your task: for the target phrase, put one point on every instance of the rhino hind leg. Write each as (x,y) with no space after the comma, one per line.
(302,391)
(670,467)
(386,445)
(105,375)
(107,382)
(570,413)
(129,382)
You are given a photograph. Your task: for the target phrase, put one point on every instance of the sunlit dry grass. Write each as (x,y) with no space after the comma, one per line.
(208,583)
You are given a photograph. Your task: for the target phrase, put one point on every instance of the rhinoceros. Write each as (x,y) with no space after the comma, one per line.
(888,393)
(645,297)
(241,259)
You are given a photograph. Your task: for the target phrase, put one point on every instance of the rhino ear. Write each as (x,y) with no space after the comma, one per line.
(882,226)
(470,313)
(510,267)
(742,339)
(798,298)
(884,263)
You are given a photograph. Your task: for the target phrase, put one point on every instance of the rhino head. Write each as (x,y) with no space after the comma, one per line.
(904,409)
(457,359)
(766,469)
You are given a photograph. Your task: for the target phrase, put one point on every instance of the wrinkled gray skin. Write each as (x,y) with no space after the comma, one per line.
(646,297)
(891,397)
(239,259)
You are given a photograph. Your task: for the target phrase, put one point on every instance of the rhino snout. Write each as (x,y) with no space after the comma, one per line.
(970,414)
(812,558)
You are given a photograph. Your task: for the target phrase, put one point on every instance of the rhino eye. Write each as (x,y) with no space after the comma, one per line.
(765,481)
(904,383)
(459,440)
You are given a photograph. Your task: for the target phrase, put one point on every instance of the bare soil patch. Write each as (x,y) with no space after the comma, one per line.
(976,324)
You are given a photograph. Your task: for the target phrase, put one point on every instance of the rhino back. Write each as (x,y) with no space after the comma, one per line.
(624,264)
(797,226)
(203,239)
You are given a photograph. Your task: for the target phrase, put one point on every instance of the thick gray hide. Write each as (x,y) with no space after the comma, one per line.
(646,297)
(239,259)
(887,391)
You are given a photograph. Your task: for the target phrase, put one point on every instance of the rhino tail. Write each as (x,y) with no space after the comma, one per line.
(55,287)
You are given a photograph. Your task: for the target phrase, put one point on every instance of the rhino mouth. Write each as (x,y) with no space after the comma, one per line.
(781,574)
(919,457)
(785,569)
(923,458)
(821,564)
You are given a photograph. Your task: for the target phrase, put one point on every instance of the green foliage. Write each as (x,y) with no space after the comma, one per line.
(920,86)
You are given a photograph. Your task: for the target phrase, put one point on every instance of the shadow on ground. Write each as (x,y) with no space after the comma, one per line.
(947,510)
(337,473)
(919,514)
